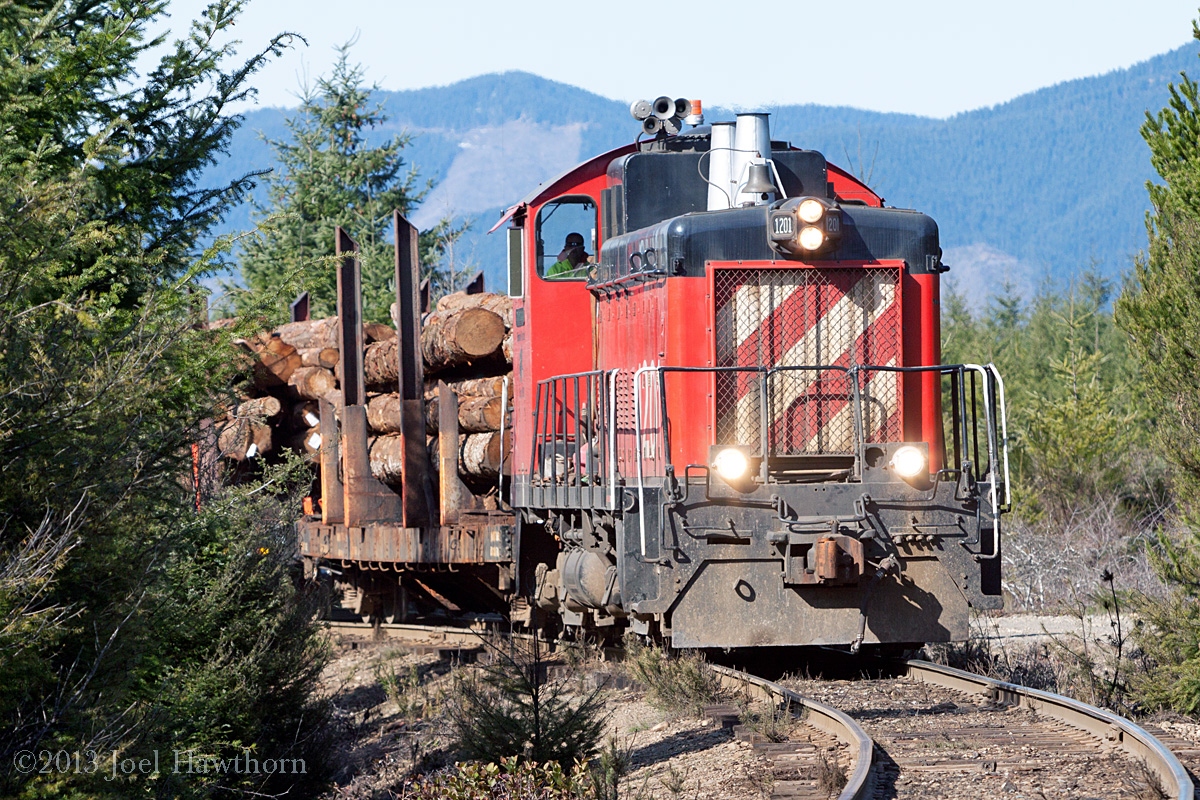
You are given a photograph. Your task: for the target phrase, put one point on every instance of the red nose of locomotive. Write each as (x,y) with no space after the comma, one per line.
(761,446)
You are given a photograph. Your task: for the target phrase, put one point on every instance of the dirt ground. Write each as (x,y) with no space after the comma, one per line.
(388,703)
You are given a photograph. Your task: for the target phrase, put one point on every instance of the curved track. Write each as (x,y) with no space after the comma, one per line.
(1079,727)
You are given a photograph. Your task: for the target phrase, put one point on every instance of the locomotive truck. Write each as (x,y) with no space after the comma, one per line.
(730,423)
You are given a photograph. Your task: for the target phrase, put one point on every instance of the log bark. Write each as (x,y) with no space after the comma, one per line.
(387,458)
(451,338)
(499,304)
(262,440)
(259,408)
(385,413)
(326,357)
(473,387)
(241,439)
(312,383)
(381,363)
(234,439)
(475,414)
(479,454)
(506,350)
(310,334)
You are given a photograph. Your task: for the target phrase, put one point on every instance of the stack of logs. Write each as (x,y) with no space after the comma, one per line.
(466,342)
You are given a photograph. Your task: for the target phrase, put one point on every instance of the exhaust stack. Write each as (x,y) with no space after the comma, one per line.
(720,166)
(751,147)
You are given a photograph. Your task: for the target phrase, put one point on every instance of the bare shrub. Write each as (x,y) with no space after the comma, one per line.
(1049,563)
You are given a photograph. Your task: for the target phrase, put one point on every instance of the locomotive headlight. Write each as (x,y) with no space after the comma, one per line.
(812,238)
(908,461)
(810,210)
(731,464)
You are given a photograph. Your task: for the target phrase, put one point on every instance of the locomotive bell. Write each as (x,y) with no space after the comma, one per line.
(759,183)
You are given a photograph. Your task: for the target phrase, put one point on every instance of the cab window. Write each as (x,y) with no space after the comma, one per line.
(566,239)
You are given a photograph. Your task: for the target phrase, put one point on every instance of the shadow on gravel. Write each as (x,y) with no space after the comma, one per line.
(689,741)
(886,773)
(810,662)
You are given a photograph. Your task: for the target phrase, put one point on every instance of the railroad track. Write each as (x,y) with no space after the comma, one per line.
(929,731)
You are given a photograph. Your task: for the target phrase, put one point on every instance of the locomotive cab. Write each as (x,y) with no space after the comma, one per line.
(733,428)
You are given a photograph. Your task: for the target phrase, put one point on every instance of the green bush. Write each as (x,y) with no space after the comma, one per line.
(510,779)
(510,707)
(680,684)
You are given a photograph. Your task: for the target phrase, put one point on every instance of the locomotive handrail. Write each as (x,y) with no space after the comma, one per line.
(997,450)
(633,277)
(599,469)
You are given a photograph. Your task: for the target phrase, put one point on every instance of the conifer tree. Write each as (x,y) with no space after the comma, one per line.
(329,175)
(1160,310)
(130,620)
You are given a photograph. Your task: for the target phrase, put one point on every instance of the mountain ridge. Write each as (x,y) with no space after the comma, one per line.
(1051,180)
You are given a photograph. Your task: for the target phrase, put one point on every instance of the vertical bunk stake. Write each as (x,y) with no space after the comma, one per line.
(365,499)
(412,295)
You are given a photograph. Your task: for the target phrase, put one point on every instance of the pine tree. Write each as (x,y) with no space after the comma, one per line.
(330,175)
(1160,310)
(129,620)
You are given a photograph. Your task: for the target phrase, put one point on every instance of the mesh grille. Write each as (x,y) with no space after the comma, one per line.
(807,318)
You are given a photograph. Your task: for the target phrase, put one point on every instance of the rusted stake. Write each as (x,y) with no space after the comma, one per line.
(299,308)
(419,500)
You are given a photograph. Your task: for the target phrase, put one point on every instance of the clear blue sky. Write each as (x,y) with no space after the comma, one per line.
(921,57)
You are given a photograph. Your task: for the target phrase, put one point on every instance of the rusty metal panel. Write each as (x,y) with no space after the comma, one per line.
(745,604)
(392,544)
(830,561)
(349,307)
(838,560)
(366,498)
(419,499)
(332,510)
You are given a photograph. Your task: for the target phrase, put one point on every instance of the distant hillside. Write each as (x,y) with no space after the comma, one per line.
(1039,186)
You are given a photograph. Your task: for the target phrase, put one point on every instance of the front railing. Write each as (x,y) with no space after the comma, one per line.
(574,459)
(574,448)
(833,410)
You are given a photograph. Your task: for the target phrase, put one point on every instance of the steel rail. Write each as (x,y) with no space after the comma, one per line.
(1105,725)
(861,781)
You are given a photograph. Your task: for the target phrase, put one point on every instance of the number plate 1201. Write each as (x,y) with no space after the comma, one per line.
(782,226)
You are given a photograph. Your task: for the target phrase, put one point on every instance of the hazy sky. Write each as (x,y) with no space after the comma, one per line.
(921,57)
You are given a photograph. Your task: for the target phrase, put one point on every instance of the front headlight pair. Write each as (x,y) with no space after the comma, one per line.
(732,463)
(804,225)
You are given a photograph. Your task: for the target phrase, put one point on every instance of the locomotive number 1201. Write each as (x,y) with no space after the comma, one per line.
(782,225)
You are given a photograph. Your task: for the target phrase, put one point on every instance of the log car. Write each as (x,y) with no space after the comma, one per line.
(394,530)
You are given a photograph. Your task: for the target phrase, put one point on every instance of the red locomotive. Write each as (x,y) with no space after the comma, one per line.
(731,426)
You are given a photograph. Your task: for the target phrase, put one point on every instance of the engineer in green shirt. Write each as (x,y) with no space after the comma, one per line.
(572,261)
